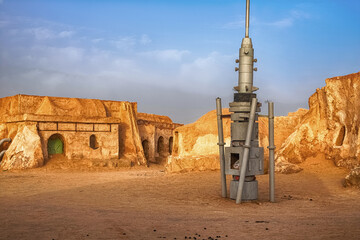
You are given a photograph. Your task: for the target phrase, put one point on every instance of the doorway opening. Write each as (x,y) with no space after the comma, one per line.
(145,145)
(55,144)
(171,140)
(161,146)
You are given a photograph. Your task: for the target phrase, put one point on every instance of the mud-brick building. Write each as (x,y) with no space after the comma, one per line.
(80,129)
(156,136)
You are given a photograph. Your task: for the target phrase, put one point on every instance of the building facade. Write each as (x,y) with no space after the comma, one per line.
(82,129)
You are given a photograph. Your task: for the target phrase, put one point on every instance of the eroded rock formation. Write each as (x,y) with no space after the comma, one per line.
(195,144)
(284,126)
(27,152)
(330,126)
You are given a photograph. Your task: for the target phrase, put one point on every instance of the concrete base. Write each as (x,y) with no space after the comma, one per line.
(250,190)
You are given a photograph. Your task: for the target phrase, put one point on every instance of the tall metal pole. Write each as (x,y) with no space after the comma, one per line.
(247,22)
(271,152)
(221,147)
(246,150)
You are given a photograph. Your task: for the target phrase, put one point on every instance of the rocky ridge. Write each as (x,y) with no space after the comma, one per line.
(330,127)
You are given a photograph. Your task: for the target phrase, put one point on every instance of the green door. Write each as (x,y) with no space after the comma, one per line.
(55,146)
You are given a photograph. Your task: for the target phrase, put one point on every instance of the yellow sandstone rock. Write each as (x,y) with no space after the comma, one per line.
(330,127)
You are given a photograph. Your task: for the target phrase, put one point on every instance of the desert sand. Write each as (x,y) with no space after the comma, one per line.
(149,203)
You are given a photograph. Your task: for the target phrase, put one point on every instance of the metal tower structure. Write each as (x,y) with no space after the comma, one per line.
(244,158)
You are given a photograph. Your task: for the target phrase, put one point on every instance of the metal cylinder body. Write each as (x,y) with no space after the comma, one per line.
(246,66)
(221,147)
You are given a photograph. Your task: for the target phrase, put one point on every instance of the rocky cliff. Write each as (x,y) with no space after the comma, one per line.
(330,127)
(195,144)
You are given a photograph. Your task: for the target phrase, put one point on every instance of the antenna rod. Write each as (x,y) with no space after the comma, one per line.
(247,22)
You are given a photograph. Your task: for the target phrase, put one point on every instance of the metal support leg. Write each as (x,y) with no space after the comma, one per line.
(221,147)
(271,152)
(246,150)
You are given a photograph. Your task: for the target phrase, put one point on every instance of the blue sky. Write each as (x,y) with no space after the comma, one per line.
(175,57)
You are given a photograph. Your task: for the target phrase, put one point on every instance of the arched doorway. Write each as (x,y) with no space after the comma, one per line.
(171,140)
(55,144)
(160,146)
(145,145)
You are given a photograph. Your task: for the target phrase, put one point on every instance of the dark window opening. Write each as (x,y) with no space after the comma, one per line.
(161,145)
(145,145)
(171,140)
(93,142)
(235,157)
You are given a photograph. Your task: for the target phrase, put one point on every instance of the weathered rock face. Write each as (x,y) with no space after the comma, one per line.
(197,139)
(353,178)
(178,164)
(25,150)
(284,127)
(331,126)
(195,144)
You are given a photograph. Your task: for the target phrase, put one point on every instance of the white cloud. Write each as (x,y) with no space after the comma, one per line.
(96,70)
(65,34)
(67,59)
(145,39)
(48,80)
(166,55)
(283,23)
(207,74)
(234,25)
(97,40)
(298,14)
(124,43)
(41,33)
(289,21)
(295,15)
(129,42)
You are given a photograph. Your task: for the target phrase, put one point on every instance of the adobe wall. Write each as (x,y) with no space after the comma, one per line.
(113,123)
(117,127)
(147,134)
(76,139)
(158,132)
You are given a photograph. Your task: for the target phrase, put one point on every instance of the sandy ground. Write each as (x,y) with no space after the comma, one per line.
(147,203)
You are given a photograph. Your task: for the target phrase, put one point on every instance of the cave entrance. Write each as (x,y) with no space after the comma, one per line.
(341,136)
(145,145)
(55,144)
(171,140)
